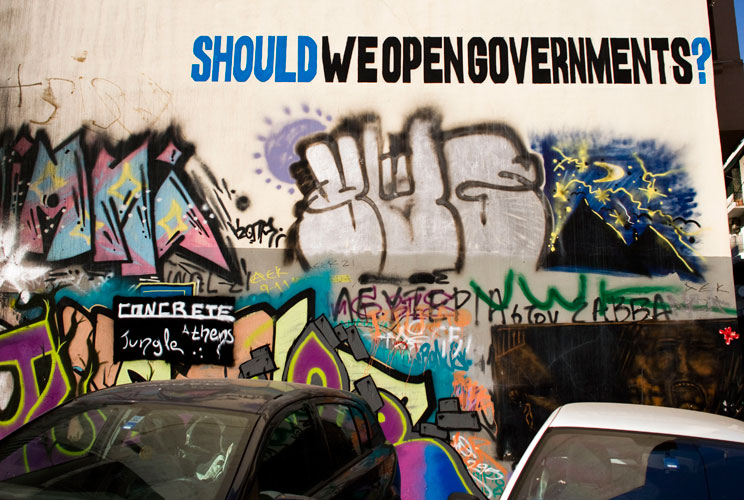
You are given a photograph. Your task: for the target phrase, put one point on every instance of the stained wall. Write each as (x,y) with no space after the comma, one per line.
(470,214)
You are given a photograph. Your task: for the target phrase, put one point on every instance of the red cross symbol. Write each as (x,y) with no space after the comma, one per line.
(728,335)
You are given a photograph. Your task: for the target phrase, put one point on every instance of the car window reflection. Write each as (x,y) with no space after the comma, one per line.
(293,445)
(121,451)
(581,464)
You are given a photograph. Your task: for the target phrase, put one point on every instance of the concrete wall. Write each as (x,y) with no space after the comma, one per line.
(471,226)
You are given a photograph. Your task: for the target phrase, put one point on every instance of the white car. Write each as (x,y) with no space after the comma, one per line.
(610,451)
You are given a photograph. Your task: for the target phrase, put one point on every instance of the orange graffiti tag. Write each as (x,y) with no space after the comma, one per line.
(472,395)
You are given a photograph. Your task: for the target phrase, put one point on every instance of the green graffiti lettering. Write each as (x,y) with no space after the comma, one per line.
(553,295)
(616,297)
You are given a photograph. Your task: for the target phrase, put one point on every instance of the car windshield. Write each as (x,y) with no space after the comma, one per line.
(149,451)
(579,464)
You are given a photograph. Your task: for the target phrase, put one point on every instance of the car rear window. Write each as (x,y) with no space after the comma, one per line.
(602,465)
(126,451)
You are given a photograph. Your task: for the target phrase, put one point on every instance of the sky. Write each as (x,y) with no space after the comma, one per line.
(739,6)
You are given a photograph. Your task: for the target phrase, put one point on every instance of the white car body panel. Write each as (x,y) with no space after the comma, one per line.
(637,418)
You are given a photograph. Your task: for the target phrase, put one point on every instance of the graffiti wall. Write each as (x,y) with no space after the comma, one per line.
(469,214)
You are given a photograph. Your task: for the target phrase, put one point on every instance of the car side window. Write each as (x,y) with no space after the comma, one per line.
(341,433)
(724,463)
(289,461)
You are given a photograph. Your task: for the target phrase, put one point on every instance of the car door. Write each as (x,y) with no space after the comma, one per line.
(358,468)
(292,457)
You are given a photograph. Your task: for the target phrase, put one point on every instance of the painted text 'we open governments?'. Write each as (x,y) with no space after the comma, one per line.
(431,59)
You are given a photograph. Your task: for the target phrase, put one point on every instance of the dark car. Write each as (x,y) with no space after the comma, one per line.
(216,438)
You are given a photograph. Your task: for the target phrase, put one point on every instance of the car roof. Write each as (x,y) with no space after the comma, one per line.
(653,419)
(248,395)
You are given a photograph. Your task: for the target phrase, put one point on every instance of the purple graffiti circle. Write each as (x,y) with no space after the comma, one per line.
(279,146)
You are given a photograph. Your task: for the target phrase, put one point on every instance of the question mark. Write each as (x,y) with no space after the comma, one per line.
(704,49)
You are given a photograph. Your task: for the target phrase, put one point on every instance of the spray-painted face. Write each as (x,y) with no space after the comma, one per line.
(677,367)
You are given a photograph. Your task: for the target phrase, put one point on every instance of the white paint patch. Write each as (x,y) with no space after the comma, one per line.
(12,270)
(6,389)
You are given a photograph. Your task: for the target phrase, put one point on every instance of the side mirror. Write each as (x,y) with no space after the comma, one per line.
(460,495)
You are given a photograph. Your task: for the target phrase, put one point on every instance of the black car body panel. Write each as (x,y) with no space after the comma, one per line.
(329,437)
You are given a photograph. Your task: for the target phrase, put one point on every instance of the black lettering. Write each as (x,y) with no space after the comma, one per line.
(417,297)
(432,75)
(641,61)
(519,60)
(661,308)
(459,305)
(575,317)
(365,57)
(620,46)
(477,68)
(391,304)
(411,56)
(391,52)
(362,306)
(599,63)
(559,52)
(599,308)
(498,45)
(431,300)
(660,45)
(343,305)
(537,45)
(333,65)
(683,71)
(640,305)
(515,316)
(620,306)
(577,60)
(440,277)
(453,60)
(491,310)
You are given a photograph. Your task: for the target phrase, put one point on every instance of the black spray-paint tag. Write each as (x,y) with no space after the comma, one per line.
(191,330)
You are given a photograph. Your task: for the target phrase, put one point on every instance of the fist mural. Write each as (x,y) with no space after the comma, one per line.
(498,192)
(432,193)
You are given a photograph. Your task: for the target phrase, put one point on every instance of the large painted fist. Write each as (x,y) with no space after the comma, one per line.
(418,201)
